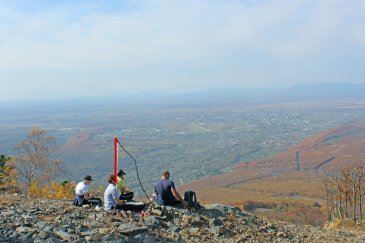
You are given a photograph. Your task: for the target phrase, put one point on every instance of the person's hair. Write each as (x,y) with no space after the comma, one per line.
(111,178)
(121,173)
(166,174)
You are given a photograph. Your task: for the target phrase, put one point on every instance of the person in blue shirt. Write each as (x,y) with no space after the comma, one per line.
(166,193)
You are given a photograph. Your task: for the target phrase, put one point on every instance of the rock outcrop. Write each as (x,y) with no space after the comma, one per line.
(25,219)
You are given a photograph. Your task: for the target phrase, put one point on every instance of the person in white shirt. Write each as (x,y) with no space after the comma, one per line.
(83,196)
(112,201)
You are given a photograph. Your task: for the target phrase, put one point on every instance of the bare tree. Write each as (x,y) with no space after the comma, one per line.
(353,180)
(360,172)
(33,160)
(335,187)
(329,197)
(347,185)
(345,178)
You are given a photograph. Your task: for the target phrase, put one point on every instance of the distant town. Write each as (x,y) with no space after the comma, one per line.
(191,142)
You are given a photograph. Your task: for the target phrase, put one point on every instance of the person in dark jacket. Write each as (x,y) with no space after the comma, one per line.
(166,193)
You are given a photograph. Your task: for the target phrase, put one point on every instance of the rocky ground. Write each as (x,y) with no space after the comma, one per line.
(23,219)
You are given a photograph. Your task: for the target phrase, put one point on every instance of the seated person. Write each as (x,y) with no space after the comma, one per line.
(125,194)
(112,201)
(165,192)
(82,193)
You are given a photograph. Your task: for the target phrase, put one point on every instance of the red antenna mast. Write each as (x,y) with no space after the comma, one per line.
(115,159)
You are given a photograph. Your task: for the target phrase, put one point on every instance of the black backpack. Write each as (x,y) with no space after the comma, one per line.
(190,198)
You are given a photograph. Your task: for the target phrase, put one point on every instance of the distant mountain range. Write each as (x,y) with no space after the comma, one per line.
(313,92)
(316,92)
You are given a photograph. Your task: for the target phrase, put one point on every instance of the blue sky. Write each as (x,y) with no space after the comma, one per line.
(65,49)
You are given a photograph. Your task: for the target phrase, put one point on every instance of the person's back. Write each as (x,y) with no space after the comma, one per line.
(163,189)
(81,188)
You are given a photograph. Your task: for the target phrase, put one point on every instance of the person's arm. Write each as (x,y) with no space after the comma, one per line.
(87,195)
(119,186)
(178,197)
(116,196)
(124,190)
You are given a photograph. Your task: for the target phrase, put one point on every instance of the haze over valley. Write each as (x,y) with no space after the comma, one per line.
(194,135)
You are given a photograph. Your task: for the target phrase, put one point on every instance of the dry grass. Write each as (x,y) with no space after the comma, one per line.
(277,180)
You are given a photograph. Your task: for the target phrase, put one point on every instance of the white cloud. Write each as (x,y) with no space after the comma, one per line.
(80,42)
(170,32)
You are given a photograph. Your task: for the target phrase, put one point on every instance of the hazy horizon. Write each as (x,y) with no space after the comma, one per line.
(65,49)
(254,95)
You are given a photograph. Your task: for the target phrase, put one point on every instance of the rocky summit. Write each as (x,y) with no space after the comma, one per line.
(26,219)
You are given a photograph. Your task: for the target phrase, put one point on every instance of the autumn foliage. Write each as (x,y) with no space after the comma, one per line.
(8,174)
(52,190)
(33,171)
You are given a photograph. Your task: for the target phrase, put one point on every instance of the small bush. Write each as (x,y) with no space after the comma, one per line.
(54,190)
(316,205)
(8,174)
(341,223)
(252,205)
